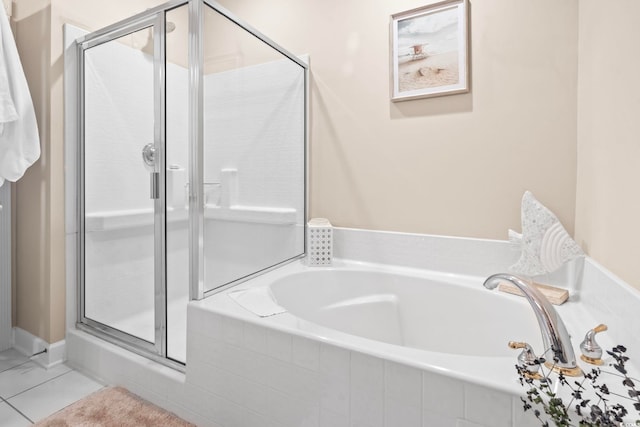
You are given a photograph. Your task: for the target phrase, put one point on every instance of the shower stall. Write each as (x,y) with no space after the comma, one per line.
(190,166)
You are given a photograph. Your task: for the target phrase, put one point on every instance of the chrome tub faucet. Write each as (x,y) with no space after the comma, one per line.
(554,332)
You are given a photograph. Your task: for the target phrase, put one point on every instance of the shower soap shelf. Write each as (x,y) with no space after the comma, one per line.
(254,214)
(117,220)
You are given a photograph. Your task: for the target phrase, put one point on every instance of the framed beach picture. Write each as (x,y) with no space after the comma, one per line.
(429,51)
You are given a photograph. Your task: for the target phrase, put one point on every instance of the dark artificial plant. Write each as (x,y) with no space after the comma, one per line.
(590,412)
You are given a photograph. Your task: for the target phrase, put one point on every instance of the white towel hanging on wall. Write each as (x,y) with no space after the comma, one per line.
(19,140)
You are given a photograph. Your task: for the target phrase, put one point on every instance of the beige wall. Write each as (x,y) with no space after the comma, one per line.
(35,206)
(607,203)
(453,165)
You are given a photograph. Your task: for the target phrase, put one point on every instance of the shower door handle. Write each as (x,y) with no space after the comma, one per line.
(149,158)
(154,186)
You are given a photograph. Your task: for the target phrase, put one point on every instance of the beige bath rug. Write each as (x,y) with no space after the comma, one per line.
(113,406)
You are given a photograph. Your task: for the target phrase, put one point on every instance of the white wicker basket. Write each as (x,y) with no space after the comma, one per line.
(319,242)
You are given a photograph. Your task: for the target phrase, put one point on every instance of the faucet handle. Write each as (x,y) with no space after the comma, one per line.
(527,359)
(591,351)
(516,344)
(600,328)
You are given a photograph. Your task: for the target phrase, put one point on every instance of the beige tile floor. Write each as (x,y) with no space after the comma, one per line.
(29,393)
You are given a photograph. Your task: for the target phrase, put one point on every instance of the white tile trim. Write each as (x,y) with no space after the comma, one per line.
(27,343)
(40,351)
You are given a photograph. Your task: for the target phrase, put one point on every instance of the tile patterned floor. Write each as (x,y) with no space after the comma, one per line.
(29,393)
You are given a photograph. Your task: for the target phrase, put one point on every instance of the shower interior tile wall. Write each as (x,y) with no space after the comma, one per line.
(248,113)
(254,120)
(253,123)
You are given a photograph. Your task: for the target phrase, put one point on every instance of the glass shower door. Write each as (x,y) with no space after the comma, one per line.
(191,176)
(122,164)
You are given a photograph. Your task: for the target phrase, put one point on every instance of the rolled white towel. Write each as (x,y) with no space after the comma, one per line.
(257,300)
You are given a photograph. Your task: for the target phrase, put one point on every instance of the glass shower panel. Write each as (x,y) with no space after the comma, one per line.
(254,139)
(177,143)
(118,161)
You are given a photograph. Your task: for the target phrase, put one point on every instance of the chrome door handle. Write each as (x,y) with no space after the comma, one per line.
(154,185)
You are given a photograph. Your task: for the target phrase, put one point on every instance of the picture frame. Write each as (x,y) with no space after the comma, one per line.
(430,51)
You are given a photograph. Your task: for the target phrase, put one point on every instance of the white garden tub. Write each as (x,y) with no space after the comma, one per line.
(441,322)
(436,338)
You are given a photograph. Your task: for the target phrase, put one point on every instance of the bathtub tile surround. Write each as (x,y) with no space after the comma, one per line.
(366,390)
(402,395)
(403,384)
(462,423)
(335,385)
(442,396)
(282,371)
(344,388)
(305,353)
(465,256)
(475,257)
(279,345)
(487,407)
(398,413)
(241,384)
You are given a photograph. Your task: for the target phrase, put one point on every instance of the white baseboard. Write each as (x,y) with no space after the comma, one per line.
(40,351)
(27,343)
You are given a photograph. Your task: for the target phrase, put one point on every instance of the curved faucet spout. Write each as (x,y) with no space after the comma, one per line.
(554,332)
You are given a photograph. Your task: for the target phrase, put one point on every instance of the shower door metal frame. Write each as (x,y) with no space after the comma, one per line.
(154,19)
(196,151)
